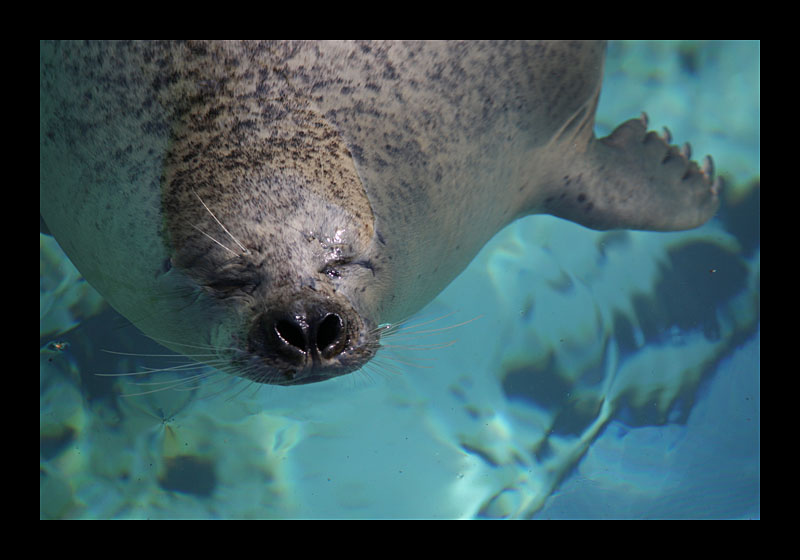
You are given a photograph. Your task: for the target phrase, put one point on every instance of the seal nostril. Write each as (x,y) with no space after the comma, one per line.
(291,334)
(330,335)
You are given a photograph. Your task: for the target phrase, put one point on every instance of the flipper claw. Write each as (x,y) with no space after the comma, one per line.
(708,168)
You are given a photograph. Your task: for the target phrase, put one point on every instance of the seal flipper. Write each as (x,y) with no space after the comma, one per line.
(633,179)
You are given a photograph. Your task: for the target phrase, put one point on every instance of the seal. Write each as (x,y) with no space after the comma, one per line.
(268,207)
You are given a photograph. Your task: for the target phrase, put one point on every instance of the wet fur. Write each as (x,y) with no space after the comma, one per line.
(200,186)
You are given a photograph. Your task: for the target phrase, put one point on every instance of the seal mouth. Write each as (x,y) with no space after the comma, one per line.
(310,344)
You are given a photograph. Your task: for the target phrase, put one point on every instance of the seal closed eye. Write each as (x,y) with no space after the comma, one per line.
(304,193)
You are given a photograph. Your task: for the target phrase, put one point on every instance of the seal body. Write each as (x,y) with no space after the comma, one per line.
(265,206)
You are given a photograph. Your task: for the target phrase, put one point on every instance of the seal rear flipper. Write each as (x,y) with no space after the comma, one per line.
(634,179)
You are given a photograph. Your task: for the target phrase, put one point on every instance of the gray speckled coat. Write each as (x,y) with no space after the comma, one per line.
(279,200)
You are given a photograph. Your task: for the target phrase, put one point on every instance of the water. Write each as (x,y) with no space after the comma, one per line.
(611,375)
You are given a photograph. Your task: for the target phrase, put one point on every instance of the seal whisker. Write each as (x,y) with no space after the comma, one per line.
(173,381)
(220,371)
(245,387)
(142,355)
(191,383)
(244,249)
(429,321)
(152,371)
(192,374)
(422,347)
(175,384)
(401,325)
(381,368)
(196,346)
(401,334)
(231,251)
(199,379)
(399,361)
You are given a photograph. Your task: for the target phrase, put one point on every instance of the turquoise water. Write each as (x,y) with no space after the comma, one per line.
(610,375)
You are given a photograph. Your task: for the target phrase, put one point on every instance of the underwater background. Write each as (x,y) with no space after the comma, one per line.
(595,375)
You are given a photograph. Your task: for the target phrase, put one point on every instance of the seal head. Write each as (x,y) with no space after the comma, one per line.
(288,282)
(286,251)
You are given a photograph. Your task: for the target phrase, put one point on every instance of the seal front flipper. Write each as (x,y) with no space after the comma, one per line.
(632,179)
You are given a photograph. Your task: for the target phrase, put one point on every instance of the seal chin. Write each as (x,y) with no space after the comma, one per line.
(309,343)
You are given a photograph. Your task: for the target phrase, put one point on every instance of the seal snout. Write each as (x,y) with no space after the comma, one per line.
(320,335)
(308,343)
